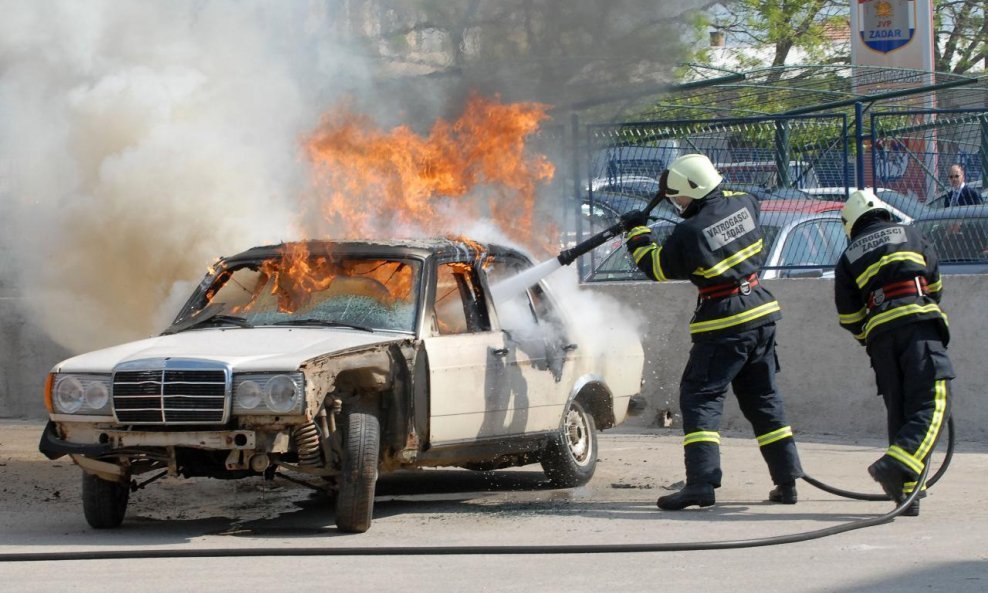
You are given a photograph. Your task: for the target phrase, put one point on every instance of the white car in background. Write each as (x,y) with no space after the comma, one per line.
(904,208)
(805,238)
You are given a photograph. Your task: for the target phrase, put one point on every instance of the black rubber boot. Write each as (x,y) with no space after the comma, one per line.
(912,510)
(887,473)
(783,493)
(691,495)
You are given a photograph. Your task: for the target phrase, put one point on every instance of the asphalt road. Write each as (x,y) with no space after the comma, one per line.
(942,550)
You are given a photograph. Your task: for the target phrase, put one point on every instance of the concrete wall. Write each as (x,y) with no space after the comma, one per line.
(826,380)
(26,356)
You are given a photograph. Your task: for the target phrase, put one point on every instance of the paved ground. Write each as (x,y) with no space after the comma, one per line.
(942,550)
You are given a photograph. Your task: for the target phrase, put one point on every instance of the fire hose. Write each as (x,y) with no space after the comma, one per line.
(568,256)
(565,257)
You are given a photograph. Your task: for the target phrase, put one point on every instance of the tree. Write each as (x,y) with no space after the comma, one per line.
(782,27)
(789,30)
(962,36)
(555,51)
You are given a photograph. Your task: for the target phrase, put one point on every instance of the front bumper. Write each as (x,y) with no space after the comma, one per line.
(101,443)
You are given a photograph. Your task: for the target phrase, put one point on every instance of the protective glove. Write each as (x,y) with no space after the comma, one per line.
(633,218)
(637,237)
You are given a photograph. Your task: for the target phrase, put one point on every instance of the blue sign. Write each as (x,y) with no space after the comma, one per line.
(886,25)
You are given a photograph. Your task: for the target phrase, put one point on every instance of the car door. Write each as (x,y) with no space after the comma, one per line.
(538,377)
(812,247)
(467,360)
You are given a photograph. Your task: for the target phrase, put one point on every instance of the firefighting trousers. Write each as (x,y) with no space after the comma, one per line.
(913,374)
(747,362)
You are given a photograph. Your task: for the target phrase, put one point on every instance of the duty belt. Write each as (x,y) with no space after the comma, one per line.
(726,289)
(913,286)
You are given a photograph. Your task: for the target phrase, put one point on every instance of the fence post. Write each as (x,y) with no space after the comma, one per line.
(782,152)
(577,194)
(983,121)
(859,143)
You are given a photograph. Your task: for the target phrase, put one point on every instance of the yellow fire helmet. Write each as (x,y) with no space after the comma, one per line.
(691,176)
(858,204)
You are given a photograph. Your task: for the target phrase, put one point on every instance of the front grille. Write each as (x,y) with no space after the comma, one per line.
(170,395)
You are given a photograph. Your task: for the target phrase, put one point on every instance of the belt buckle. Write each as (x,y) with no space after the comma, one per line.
(745,287)
(878,297)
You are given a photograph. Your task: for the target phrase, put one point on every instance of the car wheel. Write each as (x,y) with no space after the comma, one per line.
(570,457)
(104,503)
(355,500)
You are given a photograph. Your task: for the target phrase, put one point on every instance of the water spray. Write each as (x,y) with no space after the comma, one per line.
(517,284)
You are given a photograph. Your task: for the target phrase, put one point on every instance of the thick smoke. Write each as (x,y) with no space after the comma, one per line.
(144,140)
(141,140)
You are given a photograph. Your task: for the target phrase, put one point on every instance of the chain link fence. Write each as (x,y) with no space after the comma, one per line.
(796,166)
(930,166)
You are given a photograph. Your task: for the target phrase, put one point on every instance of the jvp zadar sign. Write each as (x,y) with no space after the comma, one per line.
(886,25)
(892,33)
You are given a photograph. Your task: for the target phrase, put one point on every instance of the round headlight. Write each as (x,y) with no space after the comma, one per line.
(249,395)
(68,395)
(281,393)
(96,395)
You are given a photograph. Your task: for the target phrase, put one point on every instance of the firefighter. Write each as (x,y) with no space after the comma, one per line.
(887,291)
(719,247)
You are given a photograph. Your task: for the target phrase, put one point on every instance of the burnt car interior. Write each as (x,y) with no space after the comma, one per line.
(363,292)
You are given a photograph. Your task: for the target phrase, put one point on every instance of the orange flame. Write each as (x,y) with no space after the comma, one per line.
(297,276)
(369,181)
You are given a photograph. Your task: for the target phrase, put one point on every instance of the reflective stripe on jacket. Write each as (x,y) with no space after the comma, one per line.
(881,259)
(720,244)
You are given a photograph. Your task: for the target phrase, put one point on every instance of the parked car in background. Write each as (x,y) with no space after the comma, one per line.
(904,207)
(381,356)
(800,244)
(763,193)
(636,185)
(800,174)
(959,235)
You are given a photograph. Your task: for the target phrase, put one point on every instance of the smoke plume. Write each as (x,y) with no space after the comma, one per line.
(141,140)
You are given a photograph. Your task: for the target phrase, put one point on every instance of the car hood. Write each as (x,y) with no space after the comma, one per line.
(255,349)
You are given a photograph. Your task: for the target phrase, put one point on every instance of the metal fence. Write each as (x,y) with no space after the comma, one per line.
(798,167)
(931,166)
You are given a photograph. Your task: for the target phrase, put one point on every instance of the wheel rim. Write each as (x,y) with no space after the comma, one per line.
(577,433)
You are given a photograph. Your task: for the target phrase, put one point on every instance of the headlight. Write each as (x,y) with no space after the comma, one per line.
(82,394)
(268,393)
(249,395)
(280,393)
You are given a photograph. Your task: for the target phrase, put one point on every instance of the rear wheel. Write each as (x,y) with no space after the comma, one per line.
(355,501)
(103,503)
(570,458)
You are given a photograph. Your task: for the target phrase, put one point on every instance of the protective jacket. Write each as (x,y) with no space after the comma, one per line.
(720,249)
(886,278)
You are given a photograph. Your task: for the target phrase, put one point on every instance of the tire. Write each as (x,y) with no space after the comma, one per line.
(103,503)
(570,458)
(355,501)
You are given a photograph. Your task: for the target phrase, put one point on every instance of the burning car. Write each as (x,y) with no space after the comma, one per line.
(337,361)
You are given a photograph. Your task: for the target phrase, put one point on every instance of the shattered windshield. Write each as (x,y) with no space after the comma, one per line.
(312,290)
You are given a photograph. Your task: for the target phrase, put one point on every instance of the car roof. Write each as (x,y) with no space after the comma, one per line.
(974,211)
(444,248)
(808,205)
(776,218)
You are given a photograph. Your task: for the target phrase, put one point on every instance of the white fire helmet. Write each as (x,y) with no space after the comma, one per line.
(691,176)
(859,203)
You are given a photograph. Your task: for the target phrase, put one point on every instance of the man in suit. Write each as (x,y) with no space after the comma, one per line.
(959,194)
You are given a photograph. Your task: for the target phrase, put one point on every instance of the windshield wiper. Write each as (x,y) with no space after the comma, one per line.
(210,319)
(323,323)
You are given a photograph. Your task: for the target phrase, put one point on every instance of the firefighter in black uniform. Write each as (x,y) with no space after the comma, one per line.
(887,292)
(720,248)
